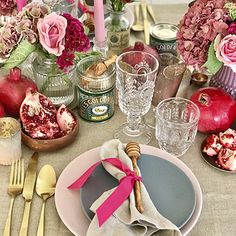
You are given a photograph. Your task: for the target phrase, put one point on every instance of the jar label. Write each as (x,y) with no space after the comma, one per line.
(96,108)
(117,41)
(163,46)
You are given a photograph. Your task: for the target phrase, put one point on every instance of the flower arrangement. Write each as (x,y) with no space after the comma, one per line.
(118,5)
(207,35)
(8,7)
(36,29)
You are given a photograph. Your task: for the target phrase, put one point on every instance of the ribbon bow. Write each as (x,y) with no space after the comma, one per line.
(118,196)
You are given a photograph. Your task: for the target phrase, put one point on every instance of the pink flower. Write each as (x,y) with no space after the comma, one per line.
(226,50)
(75,40)
(52,30)
(232,28)
(65,60)
(199,27)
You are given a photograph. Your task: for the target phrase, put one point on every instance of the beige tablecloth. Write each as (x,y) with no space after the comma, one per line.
(218,215)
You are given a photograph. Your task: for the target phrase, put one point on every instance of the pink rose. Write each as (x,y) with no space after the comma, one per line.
(226,50)
(52,30)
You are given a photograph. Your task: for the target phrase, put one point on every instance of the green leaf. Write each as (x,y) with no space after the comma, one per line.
(213,64)
(23,50)
(81,55)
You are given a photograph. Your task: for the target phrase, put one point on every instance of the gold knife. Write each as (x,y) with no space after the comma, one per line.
(145,22)
(28,191)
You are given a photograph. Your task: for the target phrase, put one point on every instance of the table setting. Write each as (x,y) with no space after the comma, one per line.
(117,118)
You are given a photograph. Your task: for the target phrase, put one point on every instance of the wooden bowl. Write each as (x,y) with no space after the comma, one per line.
(199,78)
(51,144)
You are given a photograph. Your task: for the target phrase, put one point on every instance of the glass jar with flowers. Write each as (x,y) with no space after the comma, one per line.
(54,38)
(118,27)
(206,40)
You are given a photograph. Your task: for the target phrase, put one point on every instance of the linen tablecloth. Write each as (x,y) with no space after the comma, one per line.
(218,215)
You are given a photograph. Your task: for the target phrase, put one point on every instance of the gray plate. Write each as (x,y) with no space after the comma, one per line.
(168,186)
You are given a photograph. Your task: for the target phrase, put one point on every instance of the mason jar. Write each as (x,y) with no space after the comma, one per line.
(118,32)
(95,93)
(52,82)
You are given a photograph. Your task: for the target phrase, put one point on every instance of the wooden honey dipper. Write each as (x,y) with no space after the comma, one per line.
(133,151)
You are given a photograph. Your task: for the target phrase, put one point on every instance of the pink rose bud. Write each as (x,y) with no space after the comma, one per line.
(52,30)
(226,51)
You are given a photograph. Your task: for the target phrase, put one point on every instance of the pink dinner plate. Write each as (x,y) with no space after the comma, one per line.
(68,202)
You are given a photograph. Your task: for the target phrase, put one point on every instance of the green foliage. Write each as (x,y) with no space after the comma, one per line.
(80,55)
(19,55)
(213,64)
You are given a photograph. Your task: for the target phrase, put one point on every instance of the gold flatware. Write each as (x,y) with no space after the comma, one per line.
(137,26)
(45,188)
(151,13)
(145,22)
(15,187)
(28,191)
(133,151)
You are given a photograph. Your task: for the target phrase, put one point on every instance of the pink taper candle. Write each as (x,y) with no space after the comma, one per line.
(21,4)
(99,21)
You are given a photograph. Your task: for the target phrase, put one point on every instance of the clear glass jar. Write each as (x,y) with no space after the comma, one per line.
(96,93)
(53,82)
(118,32)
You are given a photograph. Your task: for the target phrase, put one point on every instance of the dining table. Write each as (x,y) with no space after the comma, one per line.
(218,215)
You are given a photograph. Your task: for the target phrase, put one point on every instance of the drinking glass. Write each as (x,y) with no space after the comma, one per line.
(176,124)
(166,84)
(136,75)
(63,6)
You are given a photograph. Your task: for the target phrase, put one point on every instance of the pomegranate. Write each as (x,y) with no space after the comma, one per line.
(140,46)
(227,159)
(217,109)
(12,91)
(2,112)
(228,139)
(65,119)
(38,116)
(212,145)
(133,59)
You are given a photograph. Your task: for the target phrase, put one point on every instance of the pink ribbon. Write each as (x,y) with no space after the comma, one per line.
(118,196)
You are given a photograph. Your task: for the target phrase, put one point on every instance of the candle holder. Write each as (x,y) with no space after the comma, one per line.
(100,46)
(10,140)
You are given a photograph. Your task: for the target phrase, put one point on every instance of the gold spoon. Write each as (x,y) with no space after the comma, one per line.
(137,26)
(45,188)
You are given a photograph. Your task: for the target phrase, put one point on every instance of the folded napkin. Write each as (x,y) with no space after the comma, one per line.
(127,220)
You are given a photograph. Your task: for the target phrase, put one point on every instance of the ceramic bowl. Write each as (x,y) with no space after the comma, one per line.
(199,78)
(49,145)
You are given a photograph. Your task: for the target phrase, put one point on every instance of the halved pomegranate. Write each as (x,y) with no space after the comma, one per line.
(228,139)
(212,145)
(227,159)
(65,119)
(38,116)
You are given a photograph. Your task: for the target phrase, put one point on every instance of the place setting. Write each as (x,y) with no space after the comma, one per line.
(105,131)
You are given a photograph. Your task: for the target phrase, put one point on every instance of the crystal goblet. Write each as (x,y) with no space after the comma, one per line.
(136,75)
(176,124)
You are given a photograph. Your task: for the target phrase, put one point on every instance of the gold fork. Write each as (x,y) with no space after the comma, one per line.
(14,188)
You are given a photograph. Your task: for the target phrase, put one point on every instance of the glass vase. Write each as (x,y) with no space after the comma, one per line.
(118,32)
(53,82)
(225,78)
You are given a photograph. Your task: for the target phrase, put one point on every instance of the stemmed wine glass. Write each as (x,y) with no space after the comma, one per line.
(136,75)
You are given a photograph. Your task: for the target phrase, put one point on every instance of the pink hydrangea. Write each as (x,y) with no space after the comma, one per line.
(199,27)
